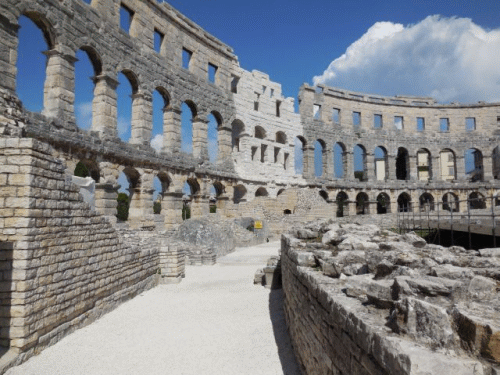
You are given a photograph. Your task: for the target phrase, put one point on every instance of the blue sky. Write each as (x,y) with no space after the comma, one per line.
(446,49)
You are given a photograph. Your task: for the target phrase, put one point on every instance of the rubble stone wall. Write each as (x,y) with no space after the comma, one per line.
(62,264)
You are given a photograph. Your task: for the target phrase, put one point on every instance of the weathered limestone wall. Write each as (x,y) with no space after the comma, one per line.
(63,265)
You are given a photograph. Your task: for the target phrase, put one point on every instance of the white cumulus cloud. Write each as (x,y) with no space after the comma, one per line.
(157,142)
(450,59)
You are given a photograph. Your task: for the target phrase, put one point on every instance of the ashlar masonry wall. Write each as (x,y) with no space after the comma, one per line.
(62,265)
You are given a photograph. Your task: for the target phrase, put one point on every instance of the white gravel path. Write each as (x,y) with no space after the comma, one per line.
(214,322)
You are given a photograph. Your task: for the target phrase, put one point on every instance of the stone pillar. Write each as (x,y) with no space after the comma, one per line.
(200,138)
(487,168)
(436,168)
(308,162)
(10,43)
(200,205)
(327,164)
(225,142)
(391,167)
(352,208)
(171,209)
(59,87)
(104,110)
(142,119)
(412,173)
(105,200)
(141,203)
(222,202)
(460,168)
(349,166)
(372,207)
(171,130)
(370,167)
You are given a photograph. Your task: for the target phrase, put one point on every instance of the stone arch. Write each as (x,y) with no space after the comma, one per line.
(362,205)
(320,158)
(94,57)
(219,188)
(381,164)
(239,193)
(260,132)
(448,164)
(476,201)
(426,202)
(383,203)
(301,164)
(217,140)
(359,162)
(88,168)
(194,185)
(261,192)
(323,194)
(339,160)
(473,159)
(41,20)
(424,165)
(404,202)
(342,200)
(280,191)
(132,78)
(237,130)
(402,164)
(451,202)
(281,137)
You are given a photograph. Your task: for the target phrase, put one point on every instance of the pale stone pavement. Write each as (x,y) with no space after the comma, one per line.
(214,322)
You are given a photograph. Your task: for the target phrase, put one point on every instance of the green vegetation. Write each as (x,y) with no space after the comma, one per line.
(157,207)
(81,170)
(123,206)
(186,212)
(213,209)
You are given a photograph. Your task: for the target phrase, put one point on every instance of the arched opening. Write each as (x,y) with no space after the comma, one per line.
(34,37)
(281,137)
(477,201)
(339,160)
(239,193)
(474,165)
(319,159)
(188,113)
(287,212)
(161,101)
(426,202)
(359,155)
(161,184)
(402,164)
(451,202)
(126,90)
(383,204)
(447,164)
(260,133)
(87,66)
(404,202)
(495,161)
(362,204)
(129,181)
(299,146)
(280,191)
(323,194)
(261,192)
(381,171)
(342,201)
(237,129)
(214,123)
(87,168)
(424,165)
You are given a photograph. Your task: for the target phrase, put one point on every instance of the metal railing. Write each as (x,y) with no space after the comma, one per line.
(433,218)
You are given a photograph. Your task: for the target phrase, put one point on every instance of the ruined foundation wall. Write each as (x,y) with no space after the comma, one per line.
(62,264)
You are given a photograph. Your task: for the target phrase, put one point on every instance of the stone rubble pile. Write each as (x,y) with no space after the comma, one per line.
(446,299)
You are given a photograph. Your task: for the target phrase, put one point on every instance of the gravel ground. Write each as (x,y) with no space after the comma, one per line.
(214,322)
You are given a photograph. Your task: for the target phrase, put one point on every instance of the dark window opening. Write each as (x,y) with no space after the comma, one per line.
(126,16)
(186,58)
(212,72)
(278,105)
(158,40)
(234,84)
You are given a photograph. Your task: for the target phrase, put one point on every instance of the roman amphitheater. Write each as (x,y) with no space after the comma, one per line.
(64,261)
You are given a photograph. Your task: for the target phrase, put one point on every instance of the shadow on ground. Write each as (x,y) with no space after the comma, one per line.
(285,350)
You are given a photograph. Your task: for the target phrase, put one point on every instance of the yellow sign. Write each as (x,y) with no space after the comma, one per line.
(258,224)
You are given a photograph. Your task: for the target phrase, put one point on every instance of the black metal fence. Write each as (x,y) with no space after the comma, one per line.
(474,227)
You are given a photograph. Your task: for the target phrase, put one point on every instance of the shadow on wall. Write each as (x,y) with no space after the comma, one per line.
(6,257)
(288,361)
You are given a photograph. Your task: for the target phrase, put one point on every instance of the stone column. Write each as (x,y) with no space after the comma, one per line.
(171,209)
(412,173)
(352,208)
(327,164)
(460,168)
(142,119)
(372,207)
(222,201)
(391,167)
(436,168)
(59,87)
(487,168)
(200,205)
(105,200)
(171,130)
(200,138)
(104,110)
(10,43)
(308,162)
(141,204)
(348,166)
(224,140)
(370,167)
